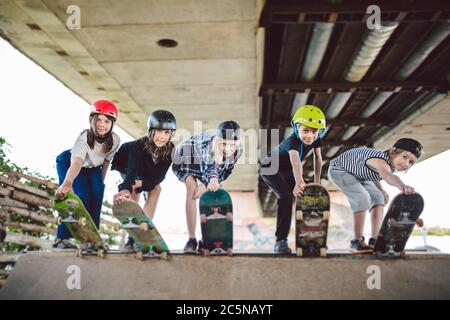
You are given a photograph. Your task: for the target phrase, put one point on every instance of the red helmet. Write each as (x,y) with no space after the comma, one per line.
(105,107)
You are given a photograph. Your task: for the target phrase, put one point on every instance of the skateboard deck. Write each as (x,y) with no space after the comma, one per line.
(80,224)
(141,229)
(312,213)
(216,220)
(398,224)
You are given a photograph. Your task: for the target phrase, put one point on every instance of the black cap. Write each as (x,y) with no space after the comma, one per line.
(410,145)
(162,119)
(229,130)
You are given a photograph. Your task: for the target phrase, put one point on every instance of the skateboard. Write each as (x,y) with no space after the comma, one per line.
(141,229)
(216,220)
(312,213)
(80,224)
(402,215)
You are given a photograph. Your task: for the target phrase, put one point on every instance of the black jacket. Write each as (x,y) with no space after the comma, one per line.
(132,160)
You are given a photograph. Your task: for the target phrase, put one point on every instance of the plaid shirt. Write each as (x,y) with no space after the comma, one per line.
(195,157)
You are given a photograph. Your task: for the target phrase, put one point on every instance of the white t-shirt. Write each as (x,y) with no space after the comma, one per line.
(93,157)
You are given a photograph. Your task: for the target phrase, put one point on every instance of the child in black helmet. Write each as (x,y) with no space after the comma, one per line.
(143,163)
(207,158)
(358,172)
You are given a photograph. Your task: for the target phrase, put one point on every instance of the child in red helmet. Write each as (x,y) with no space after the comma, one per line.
(82,169)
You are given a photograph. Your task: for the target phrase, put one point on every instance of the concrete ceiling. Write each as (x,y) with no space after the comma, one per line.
(210,76)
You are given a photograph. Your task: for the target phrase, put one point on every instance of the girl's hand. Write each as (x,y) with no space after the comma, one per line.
(386,196)
(298,189)
(63,190)
(213,185)
(121,196)
(407,189)
(199,191)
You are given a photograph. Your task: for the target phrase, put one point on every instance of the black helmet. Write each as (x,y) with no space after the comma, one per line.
(410,145)
(229,130)
(162,119)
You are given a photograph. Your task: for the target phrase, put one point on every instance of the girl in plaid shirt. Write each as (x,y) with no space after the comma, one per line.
(207,158)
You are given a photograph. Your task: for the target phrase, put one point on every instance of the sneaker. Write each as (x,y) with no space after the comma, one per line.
(64,244)
(372,242)
(282,247)
(359,246)
(191,246)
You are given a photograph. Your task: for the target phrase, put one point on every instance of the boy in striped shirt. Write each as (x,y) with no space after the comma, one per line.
(358,172)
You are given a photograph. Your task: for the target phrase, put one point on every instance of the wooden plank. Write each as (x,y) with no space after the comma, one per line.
(25,240)
(28,198)
(43,182)
(24,187)
(35,215)
(12,203)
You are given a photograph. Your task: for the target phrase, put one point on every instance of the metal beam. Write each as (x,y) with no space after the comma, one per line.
(343,122)
(329,87)
(352,13)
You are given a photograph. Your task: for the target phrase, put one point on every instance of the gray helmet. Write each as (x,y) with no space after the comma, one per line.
(162,119)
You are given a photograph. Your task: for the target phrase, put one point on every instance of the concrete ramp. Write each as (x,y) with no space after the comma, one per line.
(118,276)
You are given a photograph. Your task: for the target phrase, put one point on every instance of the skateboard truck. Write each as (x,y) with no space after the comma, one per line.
(404,219)
(130,224)
(70,218)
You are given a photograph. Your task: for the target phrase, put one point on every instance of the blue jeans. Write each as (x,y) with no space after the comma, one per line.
(88,186)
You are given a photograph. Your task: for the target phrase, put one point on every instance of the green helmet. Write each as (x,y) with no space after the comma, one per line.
(310,116)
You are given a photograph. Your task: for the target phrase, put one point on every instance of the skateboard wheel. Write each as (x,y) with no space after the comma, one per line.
(101,253)
(229,216)
(82,221)
(299,215)
(402,253)
(78,253)
(206,252)
(299,252)
(229,252)
(140,255)
(203,218)
(323,252)
(58,220)
(143,226)
(116,228)
(164,255)
(326,216)
(419,223)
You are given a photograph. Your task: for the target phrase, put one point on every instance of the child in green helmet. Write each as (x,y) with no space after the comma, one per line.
(282,169)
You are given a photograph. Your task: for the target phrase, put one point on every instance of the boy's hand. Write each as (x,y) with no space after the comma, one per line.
(121,196)
(386,196)
(213,185)
(61,192)
(407,189)
(298,189)
(199,191)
